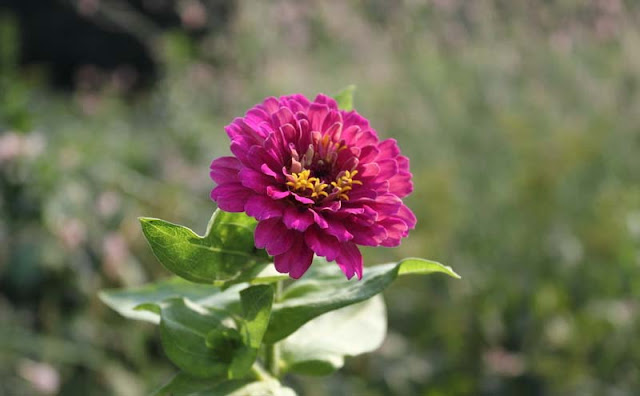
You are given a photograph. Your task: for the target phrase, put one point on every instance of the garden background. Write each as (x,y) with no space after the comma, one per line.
(521,119)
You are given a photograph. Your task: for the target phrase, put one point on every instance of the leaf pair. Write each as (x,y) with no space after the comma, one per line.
(209,338)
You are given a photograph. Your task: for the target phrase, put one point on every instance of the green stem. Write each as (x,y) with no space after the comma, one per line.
(272,351)
(260,373)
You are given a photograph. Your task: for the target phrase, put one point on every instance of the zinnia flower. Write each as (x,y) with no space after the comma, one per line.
(317,179)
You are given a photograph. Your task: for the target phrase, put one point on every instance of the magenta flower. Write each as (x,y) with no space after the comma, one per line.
(317,179)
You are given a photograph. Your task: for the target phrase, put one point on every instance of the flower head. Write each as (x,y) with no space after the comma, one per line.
(317,179)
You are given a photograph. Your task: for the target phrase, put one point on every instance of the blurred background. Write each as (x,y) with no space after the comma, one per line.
(521,119)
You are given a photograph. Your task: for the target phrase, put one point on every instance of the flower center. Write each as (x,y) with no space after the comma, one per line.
(315,174)
(304,184)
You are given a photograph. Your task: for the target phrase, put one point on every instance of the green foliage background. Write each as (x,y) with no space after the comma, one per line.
(522,122)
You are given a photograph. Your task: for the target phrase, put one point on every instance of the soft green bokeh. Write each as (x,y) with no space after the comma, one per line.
(521,121)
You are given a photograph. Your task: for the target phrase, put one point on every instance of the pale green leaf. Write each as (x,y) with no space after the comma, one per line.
(319,347)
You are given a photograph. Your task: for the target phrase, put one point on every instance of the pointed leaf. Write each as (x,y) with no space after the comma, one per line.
(319,347)
(325,289)
(197,340)
(134,302)
(226,252)
(345,98)
(256,308)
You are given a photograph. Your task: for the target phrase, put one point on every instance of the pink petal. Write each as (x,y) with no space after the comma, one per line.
(388,169)
(350,260)
(322,244)
(231,197)
(332,118)
(283,116)
(384,203)
(317,113)
(334,131)
(263,208)
(401,185)
(257,181)
(276,193)
(302,200)
(372,235)
(290,133)
(272,235)
(369,170)
(271,105)
(319,219)
(388,149)
(403,163)
(297,218)
(327,100)
(407,216)
(257,116)
(396,230)
(337,228)
(368,153)
(258,158)
(225,170)
(366,137)
(299,98)
(353,118)
(296,260)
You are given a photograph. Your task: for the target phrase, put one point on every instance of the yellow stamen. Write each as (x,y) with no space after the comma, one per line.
(301,182)
(344,183)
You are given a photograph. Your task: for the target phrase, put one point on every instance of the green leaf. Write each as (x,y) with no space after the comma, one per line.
(256,308)
(319,347)
(183,384)
(189,328)
(345,98)
(226,251)
(197,340)
(140,302)
(325,289)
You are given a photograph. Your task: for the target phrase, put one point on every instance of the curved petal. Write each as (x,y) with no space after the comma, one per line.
(336,228)
(231,197)
(326,100)
(272,235)
(322,244)
(225,170)
(388,149)
(257,181)
(350,260)
(263,208)
(297,260)
(297,218)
